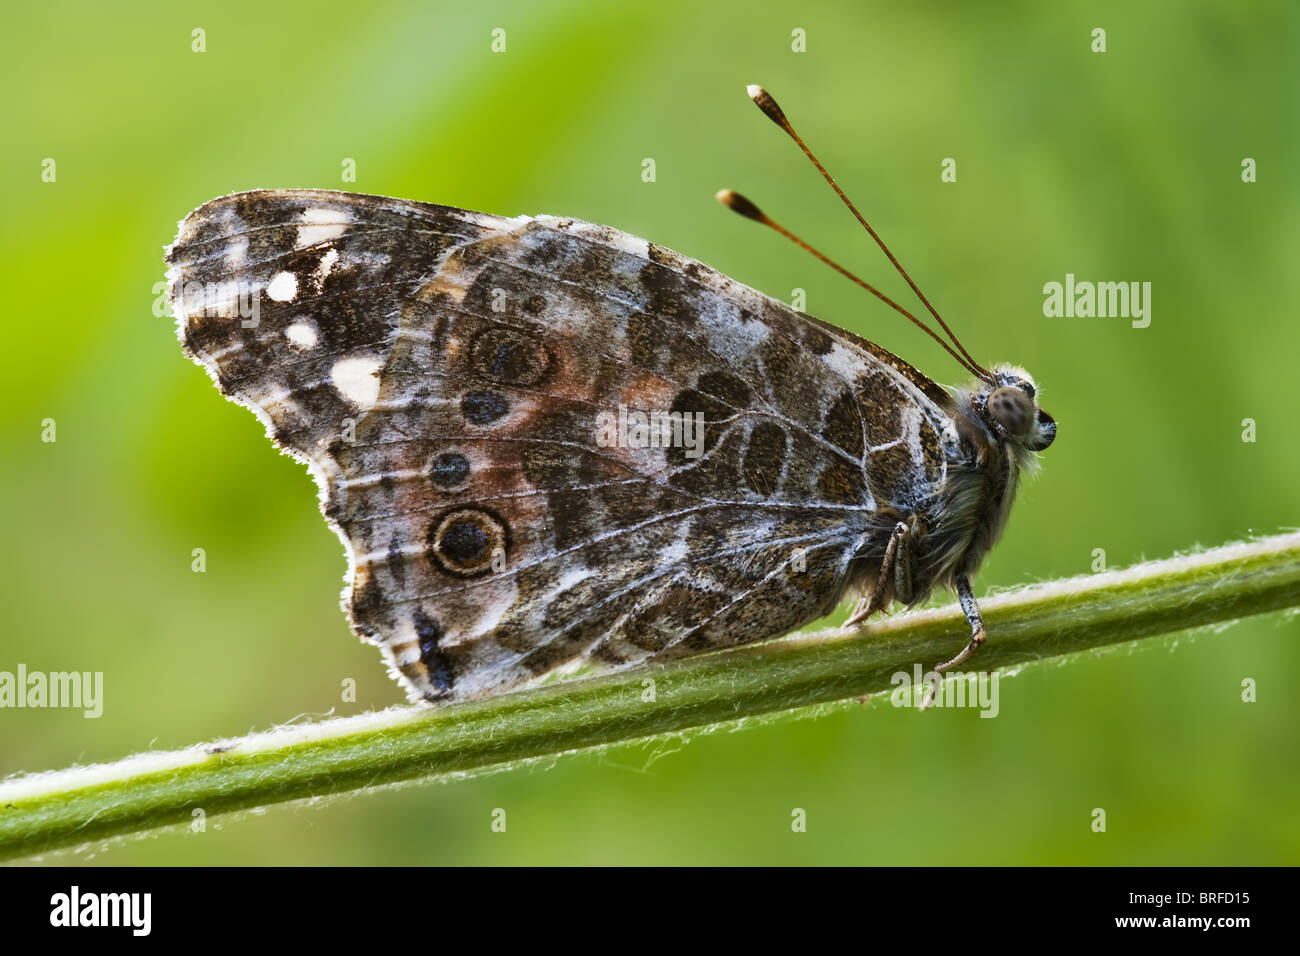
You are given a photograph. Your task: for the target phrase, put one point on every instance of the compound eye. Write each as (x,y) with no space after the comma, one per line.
(1027,387)
(1012,409)
(1045,433)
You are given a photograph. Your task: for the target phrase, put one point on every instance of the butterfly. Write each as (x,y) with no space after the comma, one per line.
(451,377)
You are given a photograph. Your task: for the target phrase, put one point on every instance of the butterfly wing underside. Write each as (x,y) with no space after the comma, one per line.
(457,382)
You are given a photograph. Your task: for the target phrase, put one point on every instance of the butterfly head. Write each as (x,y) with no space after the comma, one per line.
(1010,409)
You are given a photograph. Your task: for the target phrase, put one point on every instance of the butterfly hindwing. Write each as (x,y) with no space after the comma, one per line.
(462,386)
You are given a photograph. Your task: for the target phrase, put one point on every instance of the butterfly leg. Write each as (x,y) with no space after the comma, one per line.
(972,612)
(968,606)
(897,565)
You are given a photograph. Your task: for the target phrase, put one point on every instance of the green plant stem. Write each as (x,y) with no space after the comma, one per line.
(81,805)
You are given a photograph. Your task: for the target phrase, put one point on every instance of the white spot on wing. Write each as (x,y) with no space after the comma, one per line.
(845,362)
(302,334)
(948,432)
(237,254)
(357,379)
(283,288)
(326,264)
(571,577)
(321,224)
(633,245)
(673,553)
(410,652)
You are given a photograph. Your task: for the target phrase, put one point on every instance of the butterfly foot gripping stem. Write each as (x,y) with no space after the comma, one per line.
(972,612)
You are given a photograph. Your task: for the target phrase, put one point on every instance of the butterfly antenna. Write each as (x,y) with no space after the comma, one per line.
(738,203)
(769,106)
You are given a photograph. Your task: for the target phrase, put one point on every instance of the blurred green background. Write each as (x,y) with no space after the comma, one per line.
(1123,165)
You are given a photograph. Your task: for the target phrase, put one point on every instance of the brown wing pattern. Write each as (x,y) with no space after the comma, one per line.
(459,385)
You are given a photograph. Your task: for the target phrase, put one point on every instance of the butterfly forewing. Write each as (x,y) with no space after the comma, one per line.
(460,384)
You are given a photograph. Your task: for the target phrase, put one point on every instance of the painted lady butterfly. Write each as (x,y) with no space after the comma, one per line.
(498,411)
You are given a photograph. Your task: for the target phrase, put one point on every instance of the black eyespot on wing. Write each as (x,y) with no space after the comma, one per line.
(507,355)
(466,541)
(483,407)
(450,470)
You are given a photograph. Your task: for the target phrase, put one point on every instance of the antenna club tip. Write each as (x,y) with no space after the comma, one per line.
(738,203)
(763,100)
